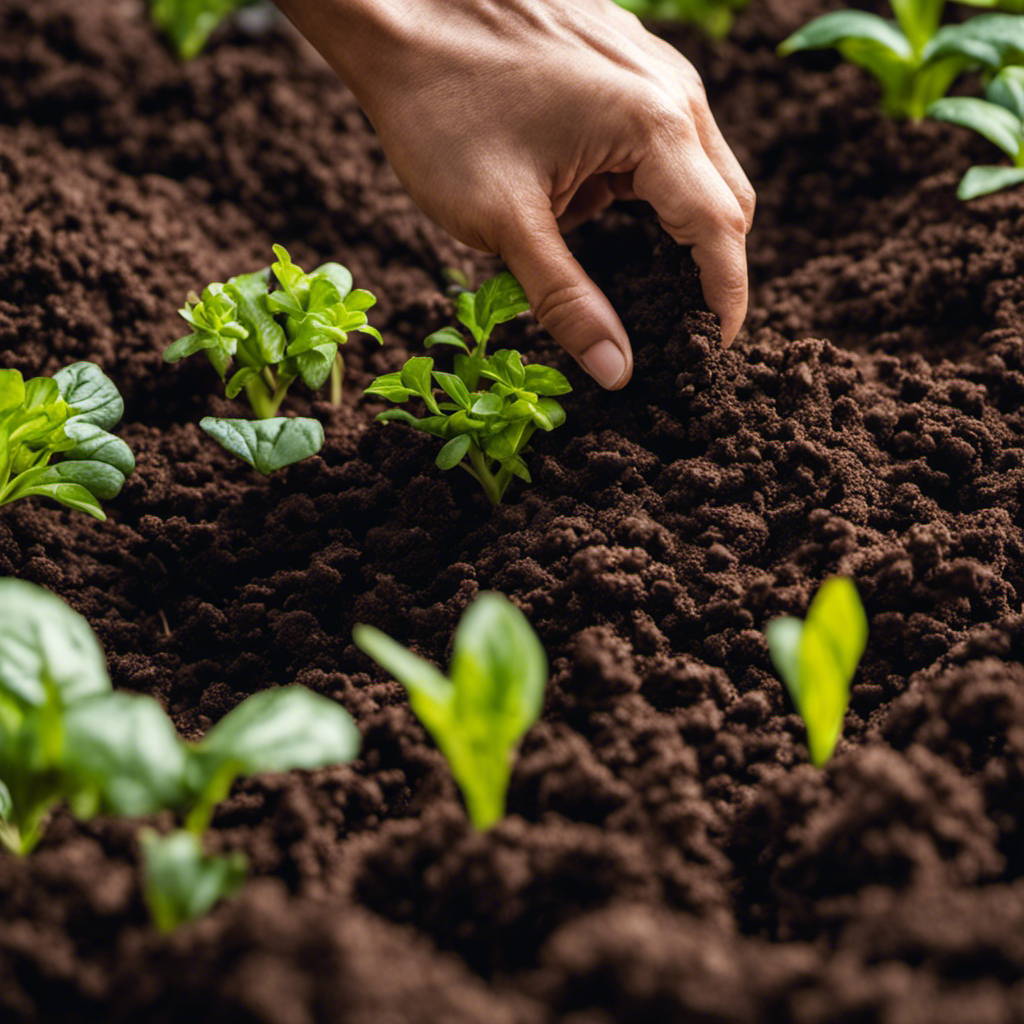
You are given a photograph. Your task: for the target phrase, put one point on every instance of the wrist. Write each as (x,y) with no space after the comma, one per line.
(350,35)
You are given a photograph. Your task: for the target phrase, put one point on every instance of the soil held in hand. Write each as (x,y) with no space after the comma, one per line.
(669,856)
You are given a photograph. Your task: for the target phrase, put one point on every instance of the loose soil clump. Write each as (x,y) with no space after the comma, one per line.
(669,854)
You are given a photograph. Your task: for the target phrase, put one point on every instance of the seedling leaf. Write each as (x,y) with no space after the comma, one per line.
(48,653)
(267,445)
(124,746)
(91,394)
(498,674)
(982,181)
(180,882)
(818,658)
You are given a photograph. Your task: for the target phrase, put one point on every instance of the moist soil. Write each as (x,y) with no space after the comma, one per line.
(669,854)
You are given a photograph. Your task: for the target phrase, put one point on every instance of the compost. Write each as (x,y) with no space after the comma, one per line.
(669,853)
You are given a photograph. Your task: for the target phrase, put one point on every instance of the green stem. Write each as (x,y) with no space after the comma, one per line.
(264,401)
(479,469)
(337,373)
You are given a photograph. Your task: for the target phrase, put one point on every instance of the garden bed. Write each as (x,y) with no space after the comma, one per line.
(669,854)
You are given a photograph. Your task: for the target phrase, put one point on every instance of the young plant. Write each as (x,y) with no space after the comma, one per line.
(189,23)
(54,440)
(1000,119)
(817,659)
(493,695)
(274,338)
(485,430)
(715,17)
(65,734)
(914,61)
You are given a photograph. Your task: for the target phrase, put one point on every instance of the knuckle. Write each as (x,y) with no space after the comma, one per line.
(558,307)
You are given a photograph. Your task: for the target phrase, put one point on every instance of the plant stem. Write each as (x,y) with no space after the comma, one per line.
(479,469)
(337,373)
(264,401)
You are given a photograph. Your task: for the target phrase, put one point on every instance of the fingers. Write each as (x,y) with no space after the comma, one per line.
(591,198)
(697,208)
(563,298)
(722,156)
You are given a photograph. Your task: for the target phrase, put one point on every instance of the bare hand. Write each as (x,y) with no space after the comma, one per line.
(509,121)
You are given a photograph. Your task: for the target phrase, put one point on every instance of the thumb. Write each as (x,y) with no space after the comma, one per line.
(564,299)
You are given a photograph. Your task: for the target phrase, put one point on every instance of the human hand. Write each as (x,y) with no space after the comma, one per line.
(509,121)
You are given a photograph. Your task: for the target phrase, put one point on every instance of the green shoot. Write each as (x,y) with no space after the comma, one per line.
(914,61)
(485,430)
(275,338)
(1000,119)
(714,17)
(65,734)
(64,418)
(817,659)
(189,23)
(477,716)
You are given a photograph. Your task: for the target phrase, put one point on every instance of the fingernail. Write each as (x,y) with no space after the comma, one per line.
(604,362)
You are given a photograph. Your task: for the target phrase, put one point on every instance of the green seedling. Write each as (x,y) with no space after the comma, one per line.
(485,430)
(189,23)
(1000,119)
(817,659)
(54,440)
(914,60)
(274,337)
(479,714)
(714,17)
(65,734)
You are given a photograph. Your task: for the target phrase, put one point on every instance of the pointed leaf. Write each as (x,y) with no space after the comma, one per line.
(982,181)
(453,452)
(447,336)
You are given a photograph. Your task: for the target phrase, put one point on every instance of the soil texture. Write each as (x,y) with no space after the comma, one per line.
(669,853)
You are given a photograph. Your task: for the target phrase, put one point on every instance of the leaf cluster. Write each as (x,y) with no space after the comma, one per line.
(817,659)
(714,17)
(914,60)
(65,734)
(485,427)
(1000,119)
(55,441)
(273,327)
(477,715)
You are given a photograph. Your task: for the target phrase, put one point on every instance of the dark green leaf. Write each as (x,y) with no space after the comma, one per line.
(447,336)
(267,445)
(99,479)
(831,30)
(93,444)
(454,388)
(91,394)
(453,452)
(992,121)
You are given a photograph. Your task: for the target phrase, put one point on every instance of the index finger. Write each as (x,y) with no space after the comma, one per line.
(697,208)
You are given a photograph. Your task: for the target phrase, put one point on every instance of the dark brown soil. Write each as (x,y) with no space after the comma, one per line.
(669,855)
